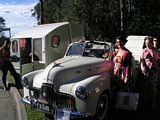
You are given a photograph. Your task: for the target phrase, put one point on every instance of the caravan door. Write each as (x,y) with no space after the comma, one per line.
(23,59)
(25,55)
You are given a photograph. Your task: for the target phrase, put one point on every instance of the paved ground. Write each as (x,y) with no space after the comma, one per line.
(11,107)
(7,105)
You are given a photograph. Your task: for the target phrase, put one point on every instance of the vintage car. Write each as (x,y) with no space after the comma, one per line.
(79,83)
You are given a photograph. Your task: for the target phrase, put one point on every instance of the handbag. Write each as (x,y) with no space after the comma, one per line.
(126,100)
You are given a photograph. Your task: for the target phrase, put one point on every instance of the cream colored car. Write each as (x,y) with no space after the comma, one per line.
(79,83)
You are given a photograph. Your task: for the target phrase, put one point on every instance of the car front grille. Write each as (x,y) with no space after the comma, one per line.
(54,97)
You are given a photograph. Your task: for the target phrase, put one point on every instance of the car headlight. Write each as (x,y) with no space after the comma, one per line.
(81,92)
(24,81)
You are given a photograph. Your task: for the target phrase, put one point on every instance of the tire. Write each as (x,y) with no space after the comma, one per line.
(102,107)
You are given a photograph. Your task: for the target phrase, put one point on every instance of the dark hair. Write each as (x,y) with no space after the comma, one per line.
(147,38)
(158,41)
(122,38)
(8,41)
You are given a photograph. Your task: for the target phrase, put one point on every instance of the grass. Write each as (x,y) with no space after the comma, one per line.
(33,114)
(10,78)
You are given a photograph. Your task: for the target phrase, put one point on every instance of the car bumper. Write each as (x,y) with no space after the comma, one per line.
(30,102)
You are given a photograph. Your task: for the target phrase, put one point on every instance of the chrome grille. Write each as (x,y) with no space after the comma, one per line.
(56,98)
(64,100)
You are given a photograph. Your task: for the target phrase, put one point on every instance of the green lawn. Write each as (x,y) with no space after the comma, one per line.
(33,114)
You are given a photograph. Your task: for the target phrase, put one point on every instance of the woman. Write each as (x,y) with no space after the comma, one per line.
(7,65)
(150,70)
(122,60)
(147,57)
(156,47)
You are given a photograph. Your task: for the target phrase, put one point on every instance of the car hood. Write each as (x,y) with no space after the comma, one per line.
(70,70)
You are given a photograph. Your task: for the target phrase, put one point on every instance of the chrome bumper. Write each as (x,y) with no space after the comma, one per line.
(28,101)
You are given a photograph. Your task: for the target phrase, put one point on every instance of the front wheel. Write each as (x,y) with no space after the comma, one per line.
(102,107)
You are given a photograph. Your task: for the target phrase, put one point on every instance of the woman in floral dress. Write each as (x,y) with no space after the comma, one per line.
(122,60)
(150,70)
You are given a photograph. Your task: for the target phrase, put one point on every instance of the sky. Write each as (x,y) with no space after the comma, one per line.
(18,1)
(17,14)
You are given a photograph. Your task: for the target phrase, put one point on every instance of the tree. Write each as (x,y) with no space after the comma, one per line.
(98,17)
(145,17)
(104,18)
(51,11)
(2,29)
(2,22)
(2,25)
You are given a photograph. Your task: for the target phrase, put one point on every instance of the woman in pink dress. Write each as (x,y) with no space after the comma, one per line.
(150,69)
(149,58)
(122,60)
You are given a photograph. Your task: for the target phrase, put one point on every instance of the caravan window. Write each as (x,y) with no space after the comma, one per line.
(37,49)
(15,46)
(55,41)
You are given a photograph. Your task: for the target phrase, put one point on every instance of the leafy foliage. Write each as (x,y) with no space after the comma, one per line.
(102,18)
(2,25)
(2,22)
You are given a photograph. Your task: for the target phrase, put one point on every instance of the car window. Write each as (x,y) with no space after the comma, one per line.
(76,49)
(97,50)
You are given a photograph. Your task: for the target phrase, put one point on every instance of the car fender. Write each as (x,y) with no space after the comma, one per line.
(96,85)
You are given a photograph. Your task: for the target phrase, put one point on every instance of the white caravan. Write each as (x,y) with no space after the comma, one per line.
(135,44)
(35,48)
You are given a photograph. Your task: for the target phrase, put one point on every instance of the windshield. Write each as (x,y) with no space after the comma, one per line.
(89,49)
(76,49)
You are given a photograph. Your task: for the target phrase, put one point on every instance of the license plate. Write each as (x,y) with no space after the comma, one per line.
(43,107)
